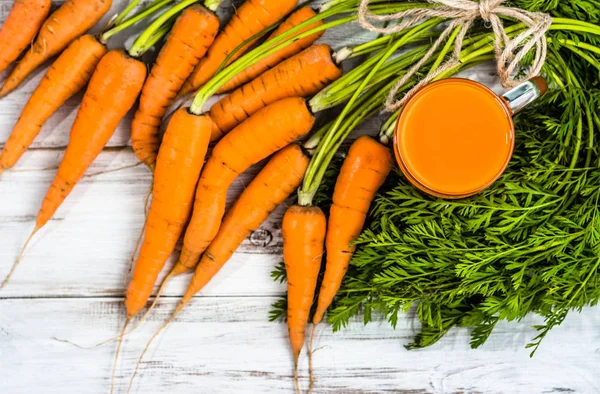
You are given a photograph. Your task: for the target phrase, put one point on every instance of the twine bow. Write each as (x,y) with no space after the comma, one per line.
(463,13)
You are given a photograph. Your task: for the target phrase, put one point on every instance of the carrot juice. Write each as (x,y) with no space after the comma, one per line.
(454,138)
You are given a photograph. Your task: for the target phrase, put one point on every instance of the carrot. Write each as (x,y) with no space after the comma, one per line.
(68,75)
(364,170)
(251,18)
(267,131)
(193,32)
(179,163)
(64,25)
(303,230)
(299,76)
(272,186)
(111,93)
(20,28)
(178,166)
(297,18)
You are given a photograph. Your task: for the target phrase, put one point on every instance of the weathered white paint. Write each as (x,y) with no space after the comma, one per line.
(223,342)
(226,345)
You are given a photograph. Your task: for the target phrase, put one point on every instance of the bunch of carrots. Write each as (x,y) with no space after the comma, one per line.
(265,111)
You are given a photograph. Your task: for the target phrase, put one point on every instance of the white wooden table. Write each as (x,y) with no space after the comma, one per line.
(71,284)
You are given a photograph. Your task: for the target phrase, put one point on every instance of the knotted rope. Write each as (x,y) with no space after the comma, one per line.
(463,13)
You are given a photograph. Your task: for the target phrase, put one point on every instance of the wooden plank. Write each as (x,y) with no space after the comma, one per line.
(227,346)
(85,249)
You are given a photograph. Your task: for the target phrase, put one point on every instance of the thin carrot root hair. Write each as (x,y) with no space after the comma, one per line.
(137,324)
(152,338)
(147,199)
(311,374)
(18,261)
(141,236)
(296,379)
(32,169)
(114,371)
(112,170)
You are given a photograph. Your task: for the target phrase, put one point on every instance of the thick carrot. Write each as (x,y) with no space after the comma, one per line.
(112,91)
(297,18)
(180,160)
(67,75)
(20,28)
(271,187)
(250,18)
(303,230)
(302,75)
(257,138)
(64,25)
(193,32)
(364,170)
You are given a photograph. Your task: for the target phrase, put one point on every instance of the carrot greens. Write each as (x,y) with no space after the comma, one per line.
(529,244)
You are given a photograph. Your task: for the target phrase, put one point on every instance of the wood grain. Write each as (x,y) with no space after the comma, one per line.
(227,346)
(71,278)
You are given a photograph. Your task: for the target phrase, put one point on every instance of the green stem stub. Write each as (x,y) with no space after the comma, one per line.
(115,28)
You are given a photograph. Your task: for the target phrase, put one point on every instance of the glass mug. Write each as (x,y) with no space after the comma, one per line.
(455,137)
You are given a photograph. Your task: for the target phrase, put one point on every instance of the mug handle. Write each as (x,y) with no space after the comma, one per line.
(520,97)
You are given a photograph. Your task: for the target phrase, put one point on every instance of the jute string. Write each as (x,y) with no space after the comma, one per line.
(463,13)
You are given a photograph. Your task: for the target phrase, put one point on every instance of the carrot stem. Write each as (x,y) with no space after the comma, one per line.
(212,5)
(281,41)
(149,37)
(151,9)
(326,150)
(123,14)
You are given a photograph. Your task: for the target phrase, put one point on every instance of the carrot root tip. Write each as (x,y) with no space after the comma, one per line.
(310,359)
(114,371)
(18,261)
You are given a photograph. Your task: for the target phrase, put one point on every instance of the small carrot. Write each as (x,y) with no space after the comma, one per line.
(20,28)
(272,186)
(303,230)
(112,91)
(264,133)
(364,171)
(250,18)
(64,25)
(193,32)
(295,19)
(302,75)
(67,75)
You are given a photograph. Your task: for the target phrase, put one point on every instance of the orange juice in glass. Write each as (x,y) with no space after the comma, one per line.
(455,137)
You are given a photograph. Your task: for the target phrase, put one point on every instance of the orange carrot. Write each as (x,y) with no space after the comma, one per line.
(64,25)
(68,75)
(264,133)
(364,170)
(271,187)
(20,28)
(250,19)
(111,93)
(297,18)
(280,177)
(302,75)
(303,230)
(193,32)
(180,160)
